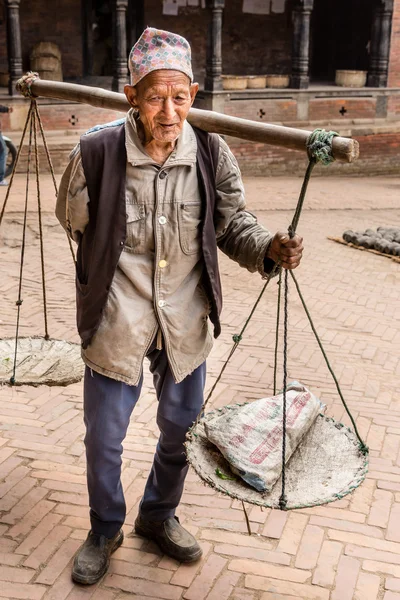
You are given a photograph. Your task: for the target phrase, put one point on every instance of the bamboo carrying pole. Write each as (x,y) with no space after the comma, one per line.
(344,149)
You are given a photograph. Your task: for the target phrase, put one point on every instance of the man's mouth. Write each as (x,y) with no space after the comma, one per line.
(168,125)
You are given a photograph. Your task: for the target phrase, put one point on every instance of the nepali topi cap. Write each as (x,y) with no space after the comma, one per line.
(158,49)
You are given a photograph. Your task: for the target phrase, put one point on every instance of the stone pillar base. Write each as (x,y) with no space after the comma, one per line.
(299,82)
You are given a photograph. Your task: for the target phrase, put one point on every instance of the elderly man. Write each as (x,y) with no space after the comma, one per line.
(149,199)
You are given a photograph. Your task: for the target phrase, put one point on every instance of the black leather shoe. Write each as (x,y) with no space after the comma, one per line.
(172,538)
(93,557)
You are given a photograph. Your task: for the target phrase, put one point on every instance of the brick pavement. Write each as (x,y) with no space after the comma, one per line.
(346,550)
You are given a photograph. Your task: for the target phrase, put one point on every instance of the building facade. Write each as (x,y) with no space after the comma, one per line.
(306,40)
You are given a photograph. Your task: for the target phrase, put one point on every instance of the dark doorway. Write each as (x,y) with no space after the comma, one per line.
(135,25)
(97,19)
(97,51)
(340,37)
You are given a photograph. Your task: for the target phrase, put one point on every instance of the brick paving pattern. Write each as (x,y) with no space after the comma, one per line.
(346,550)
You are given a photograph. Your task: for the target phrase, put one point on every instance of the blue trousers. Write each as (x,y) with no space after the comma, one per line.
(3,157)
(108,405)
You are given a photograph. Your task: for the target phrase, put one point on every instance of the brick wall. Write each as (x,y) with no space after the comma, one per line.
(379,154)
(394,63)
(327,108)
(75,116)
(394,106)
(320,109)
(267,110)
(43,21)
(58,22)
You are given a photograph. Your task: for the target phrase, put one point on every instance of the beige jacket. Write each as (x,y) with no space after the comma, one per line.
(157,287)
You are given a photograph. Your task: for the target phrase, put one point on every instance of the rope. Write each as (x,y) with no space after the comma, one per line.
(51,168)
(283,498)
(299,207)
(21,267)
(46,331)
(236,339)
(15,165)
(363,447)
(319,148)
(278,314)
(34,122)
(24,84)
(315,144)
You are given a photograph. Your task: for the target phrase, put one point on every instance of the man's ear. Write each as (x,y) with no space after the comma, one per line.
(194,88)
(131,95)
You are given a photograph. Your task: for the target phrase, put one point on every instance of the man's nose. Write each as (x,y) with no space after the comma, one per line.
(169,108)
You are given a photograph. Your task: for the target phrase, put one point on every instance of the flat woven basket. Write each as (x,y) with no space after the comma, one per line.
(40,361)
(327,465)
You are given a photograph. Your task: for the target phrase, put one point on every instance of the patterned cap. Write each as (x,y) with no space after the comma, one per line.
(158,49)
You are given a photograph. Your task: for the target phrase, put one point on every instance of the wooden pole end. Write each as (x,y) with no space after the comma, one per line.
(345,149)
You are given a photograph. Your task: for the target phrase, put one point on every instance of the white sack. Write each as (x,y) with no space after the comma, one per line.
(250,436)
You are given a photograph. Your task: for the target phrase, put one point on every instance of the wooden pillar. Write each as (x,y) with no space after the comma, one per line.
(14,44)
(380,44)
(213,80)
(120,60)
(301,44)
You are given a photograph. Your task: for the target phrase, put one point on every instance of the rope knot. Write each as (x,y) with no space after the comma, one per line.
(24,84)
(237,338)
(283,502)
(319,146)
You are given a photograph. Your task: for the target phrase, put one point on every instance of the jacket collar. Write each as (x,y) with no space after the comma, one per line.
(185,152)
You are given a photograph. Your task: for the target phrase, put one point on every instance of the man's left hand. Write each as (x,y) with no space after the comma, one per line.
(285,250)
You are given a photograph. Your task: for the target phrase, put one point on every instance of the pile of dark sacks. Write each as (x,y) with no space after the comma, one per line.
(384,239)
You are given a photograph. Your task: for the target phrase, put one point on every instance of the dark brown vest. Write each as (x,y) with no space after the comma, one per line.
(104,164)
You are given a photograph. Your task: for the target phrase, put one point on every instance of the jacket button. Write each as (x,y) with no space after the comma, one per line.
(121,243)
(163,175)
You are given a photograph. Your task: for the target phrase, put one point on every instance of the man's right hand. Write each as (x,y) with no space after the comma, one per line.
(285,250)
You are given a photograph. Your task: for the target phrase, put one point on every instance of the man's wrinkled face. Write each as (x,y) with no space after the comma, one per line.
(163,99)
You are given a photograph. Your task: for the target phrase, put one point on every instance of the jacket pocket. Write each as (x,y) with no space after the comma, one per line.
(205,300)
(135,229)
(189,220)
